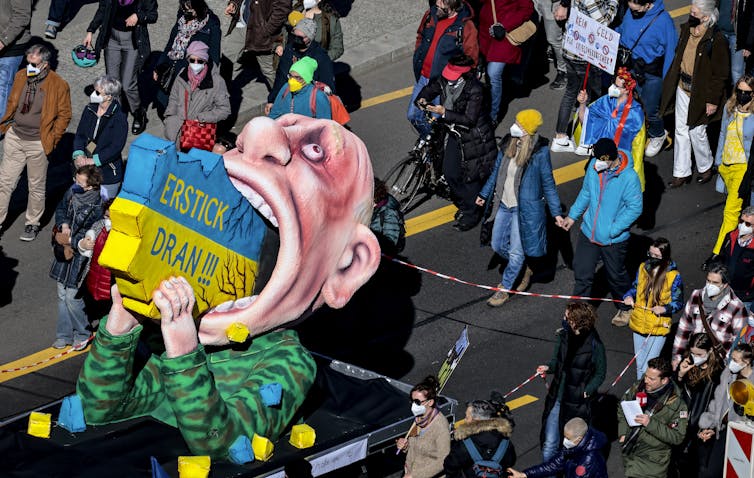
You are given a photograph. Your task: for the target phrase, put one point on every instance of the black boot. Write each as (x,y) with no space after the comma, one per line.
(140,121)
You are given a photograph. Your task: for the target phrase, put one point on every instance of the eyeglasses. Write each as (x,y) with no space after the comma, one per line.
(747,223)
(416,401)
(197,60)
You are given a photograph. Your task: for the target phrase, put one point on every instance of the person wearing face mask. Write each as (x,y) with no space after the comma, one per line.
(737,253)
(470,148)
(713,423)
(487,426)
(329,32)
(199,93)
(428,441)
(446,30)
(610,201)
(694,90)
(714,309)
(733,156)
(649,34)
(523,174)
(37,115)
(195,22)
(578,366)
(300,95)
(125,39)
(76,213)
(697,376)
(662,424)
(579,457)
(657,293)
(301,44)
(101,135)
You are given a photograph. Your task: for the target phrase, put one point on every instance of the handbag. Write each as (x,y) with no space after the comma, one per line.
(517,36)
(196,134)
(165,73)
(625,55)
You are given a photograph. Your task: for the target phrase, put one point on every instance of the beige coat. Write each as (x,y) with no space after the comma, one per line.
(427,451)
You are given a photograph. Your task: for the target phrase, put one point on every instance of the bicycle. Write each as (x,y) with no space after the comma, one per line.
(416,172)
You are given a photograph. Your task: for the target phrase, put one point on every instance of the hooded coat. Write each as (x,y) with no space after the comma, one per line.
(585,460)
(655,41)
(486,435)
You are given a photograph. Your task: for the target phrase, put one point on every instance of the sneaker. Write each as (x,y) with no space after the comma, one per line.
(654,145)
(562,145)
(559,83)
(582,150)
(81,345)
(498,298)
(30,233)
(621,318)
(526,279)
(51,32)
(60,344)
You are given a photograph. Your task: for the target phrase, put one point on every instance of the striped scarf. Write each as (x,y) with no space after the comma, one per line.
(32,83)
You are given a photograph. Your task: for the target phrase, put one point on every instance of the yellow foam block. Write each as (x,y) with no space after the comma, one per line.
(262,447)
(193,466)
(40,424)
(302,436)
(145,247)
(237,332)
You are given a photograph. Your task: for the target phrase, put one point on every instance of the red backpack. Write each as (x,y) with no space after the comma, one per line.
(338,109)
(99,279)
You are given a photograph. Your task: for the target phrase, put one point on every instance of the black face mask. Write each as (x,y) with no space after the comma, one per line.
(743,97)
(653,262)
(442,13)
(637,15)
(188,15)
(694,22)
(298,43)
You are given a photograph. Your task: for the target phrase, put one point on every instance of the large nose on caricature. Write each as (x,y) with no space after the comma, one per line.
(265,140)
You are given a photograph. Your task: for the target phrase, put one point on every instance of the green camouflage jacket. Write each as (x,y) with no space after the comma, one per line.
(211,398)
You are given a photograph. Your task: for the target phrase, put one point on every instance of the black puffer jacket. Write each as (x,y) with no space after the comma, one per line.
(146,11)
(477,136)
(486,435)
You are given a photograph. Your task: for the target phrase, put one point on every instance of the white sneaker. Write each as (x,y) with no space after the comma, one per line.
(582,150)
(654,145)
(562,145)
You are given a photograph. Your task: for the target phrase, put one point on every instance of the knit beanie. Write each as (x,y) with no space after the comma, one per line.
(306,68)
(308,27)
(294,17)
(198,49)
(530,120)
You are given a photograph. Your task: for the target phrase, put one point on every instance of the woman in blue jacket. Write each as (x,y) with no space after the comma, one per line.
(525,183)
(102,134)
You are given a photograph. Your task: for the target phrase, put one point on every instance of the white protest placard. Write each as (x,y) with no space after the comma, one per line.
(591,41)
(339,458)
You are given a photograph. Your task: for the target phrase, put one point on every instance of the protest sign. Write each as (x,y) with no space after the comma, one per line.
(591,41)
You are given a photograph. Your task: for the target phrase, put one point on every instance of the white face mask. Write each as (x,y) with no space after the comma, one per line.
(418,410)
(600,165)
(32,70)
(516,131)
(309,4)
(735,367)
(196,67)
(95,98)
(745,230)
(712,289)
(568,443)
(108,224)
(613,91)
(699,360)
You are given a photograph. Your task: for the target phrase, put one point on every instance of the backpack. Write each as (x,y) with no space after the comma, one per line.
(487,468)
(337,108)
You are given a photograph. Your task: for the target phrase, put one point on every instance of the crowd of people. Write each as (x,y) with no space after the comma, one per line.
(701,75)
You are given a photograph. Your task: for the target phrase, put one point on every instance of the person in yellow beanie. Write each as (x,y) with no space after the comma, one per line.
(522,176)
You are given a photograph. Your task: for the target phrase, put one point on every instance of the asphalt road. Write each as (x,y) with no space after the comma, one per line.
(404,322)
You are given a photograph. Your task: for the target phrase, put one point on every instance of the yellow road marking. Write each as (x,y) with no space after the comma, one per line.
(680,11)
(393,95)
(43,358)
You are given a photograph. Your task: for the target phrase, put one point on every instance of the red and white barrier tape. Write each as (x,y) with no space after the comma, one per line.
(521,385)
(48,359)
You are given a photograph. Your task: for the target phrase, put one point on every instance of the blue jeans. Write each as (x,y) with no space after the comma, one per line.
(415,115)
(495,74)
(651,350)
(552,433)
(737,60)
(56,14)
(650,93)
(506,241)
(8,68)
(72,320)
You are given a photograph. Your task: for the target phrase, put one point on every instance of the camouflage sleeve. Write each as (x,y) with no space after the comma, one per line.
(108,389)
(209,421)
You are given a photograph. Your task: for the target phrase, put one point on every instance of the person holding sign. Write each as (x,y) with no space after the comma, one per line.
(647,43)
(694,88)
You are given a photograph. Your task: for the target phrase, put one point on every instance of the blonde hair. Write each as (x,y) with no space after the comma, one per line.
(520,149)
(731,104)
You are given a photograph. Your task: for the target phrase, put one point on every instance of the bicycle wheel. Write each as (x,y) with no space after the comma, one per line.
(405,179)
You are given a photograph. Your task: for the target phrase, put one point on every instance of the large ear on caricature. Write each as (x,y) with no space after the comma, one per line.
(356,265)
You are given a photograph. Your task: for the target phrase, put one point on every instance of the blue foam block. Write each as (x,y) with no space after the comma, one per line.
(72,414)
(271,394)
(240,451)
